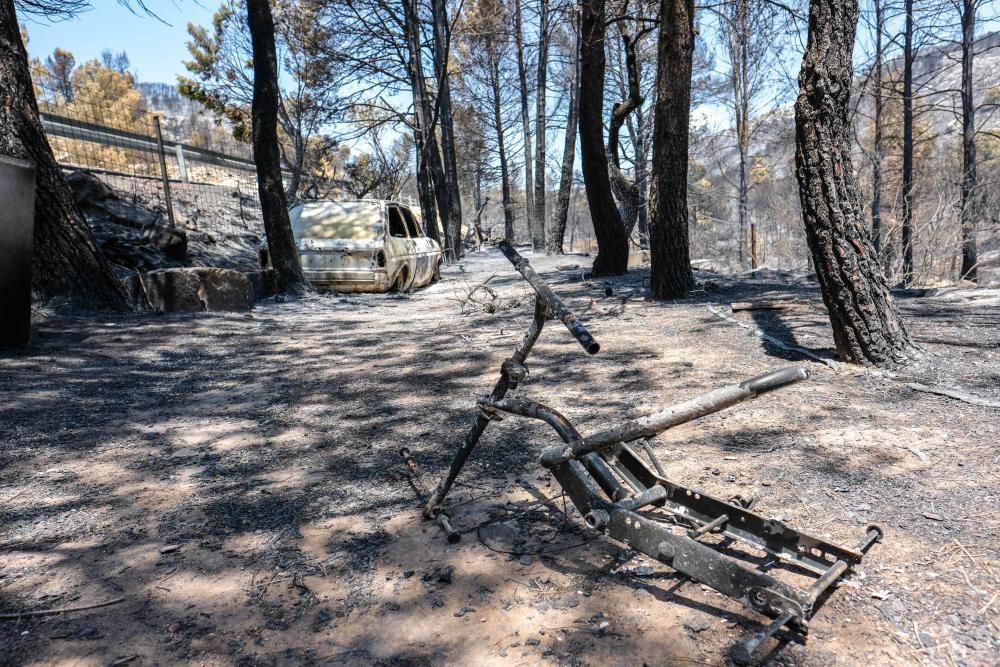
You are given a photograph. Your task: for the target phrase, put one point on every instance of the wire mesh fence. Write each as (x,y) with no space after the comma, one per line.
(183,176)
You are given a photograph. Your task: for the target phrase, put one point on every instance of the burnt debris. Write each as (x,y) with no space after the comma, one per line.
(628,498)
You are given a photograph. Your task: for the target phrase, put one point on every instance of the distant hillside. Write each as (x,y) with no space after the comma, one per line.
(774,206)
(188,121)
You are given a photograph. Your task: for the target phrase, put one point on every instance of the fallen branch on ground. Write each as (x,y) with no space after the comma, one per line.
(835,365)
(14,615)
(957,395)
(762,305)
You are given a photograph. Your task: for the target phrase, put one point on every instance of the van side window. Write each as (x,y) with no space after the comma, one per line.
(397,227)
(411,224)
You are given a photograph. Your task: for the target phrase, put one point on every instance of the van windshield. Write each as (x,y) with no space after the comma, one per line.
(358,221)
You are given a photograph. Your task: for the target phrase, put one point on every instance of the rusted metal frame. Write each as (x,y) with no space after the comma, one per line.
(769,535)
(512,371)
(699,561)
(651,425)
(788,605)
(742,652)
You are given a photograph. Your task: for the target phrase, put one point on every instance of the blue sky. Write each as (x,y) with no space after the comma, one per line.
(155,48)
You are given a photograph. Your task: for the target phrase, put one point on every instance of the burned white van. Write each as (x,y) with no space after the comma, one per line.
(363,246)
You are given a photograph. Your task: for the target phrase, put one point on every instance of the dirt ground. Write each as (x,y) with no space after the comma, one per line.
(234,480)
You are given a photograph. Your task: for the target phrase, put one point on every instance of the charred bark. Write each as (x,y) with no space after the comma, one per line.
(907,227)
(866,325)
(442,39)
(557,230)
(739,56)
(508,207)
(969,198)
(428,157)
(612,242)
(522,75)
(266,154)
(641,176)
(877,147)
(625,191)
(671,275)
(540,83)
(425,190)
(67,261)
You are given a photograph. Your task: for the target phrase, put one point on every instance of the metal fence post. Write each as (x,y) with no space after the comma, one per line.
(163,170)
(181,166)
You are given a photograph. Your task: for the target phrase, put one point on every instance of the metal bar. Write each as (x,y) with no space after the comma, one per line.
(651,425)
(742,652)
(181,165)
(71,128)
(595,464)
(535,410)
(416,479)
(163,171)
(708,527)
(651,496)
(604,477)
(555,304)
(503,385)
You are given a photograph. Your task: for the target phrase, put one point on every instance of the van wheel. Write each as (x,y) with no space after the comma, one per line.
(400,286)
(437,273)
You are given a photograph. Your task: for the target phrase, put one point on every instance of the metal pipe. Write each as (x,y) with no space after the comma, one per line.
(594,464)
(163,171)
(742,652)
(874,535)
(453,535)
(605,478)
(708,527)
(534,410)
(555,304)
(651,425)
(650,496)
(596,519)
(503,385)
(836,570)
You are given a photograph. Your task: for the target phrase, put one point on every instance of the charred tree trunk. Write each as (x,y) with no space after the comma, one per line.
(739,55)
(557,231)
(442,41)
(866,325)
(508,207)
(428,157)
(969,197)
(66,261)
(625,191)
(877,148)
(522,75)
(641,175)
(612,242)
(907,230)
(425,190)
(671,275)
(540,83)
(266,154)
